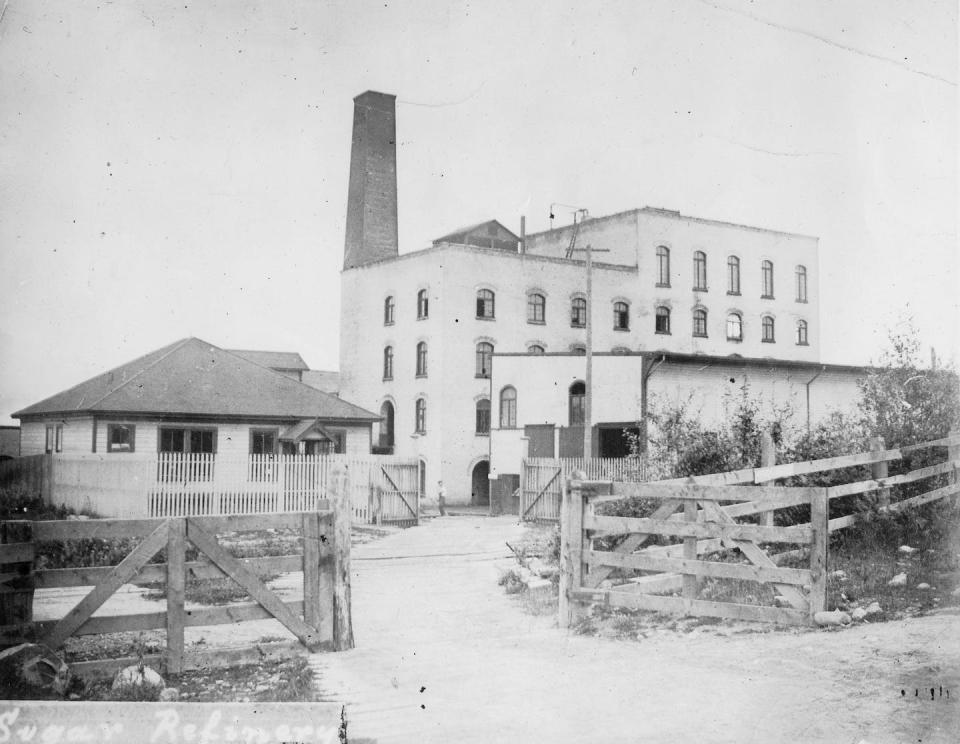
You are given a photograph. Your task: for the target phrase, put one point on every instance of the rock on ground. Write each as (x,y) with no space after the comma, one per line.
(137,676)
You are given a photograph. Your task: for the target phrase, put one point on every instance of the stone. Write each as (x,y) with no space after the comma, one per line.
(38,667)
(907,550)
(858,614)
(832,618)
(136,675)
(873,608)
(899,580)
(170,695)
(924,585)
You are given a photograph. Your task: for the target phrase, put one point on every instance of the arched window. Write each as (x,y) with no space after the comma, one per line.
(483,416)
(662,323)
(734,327)
(577,395)
(621,316)
(802,333)
(423,304)
(508,408)
(801,284)
(578,312)
(768,335)
(767,269)
(485,304)
(700,322)
(733,275)
(578,349)
(663,266)
(535,349)
(484,359)
(386,426)
(536,308)
(388,363)
(700,271)
(388,310)
(421,420)
(422,359)
(619,350)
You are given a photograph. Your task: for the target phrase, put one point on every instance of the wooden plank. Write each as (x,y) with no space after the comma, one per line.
(21,552)
(755,555)
(725,530)
(818,466)
(692,491)
(698,607)
(632,542)
(951,440)
(730,478)
(819,506)
(744,571)
(925,498)
(118,576)
(768,458)
(77,529)
(342,617)
(176,583)
(848,489)
(248,522)
(690,552)
(249,581)
(311,571)
(201,569)
(794,497)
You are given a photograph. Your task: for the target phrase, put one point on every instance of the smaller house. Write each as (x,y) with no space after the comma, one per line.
(193,397)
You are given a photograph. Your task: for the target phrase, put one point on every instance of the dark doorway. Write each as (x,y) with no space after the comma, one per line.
(423,479)
(385,443)
(480,484)
(614,440)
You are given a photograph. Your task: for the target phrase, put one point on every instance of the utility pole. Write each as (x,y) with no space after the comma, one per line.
(588,396)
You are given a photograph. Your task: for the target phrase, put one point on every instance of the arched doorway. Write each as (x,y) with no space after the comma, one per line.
(480,484)
(386,427)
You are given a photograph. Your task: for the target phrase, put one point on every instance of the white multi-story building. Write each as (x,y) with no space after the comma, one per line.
(695,304)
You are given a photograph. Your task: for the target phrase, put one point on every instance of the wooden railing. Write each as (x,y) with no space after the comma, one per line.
(706,526)
(320,620)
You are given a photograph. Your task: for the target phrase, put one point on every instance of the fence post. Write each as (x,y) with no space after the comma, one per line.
(311,569)
(571,549)
(690,550)
(176,579)
(16,604)
(342,512)
(46,480)
(879,470)
(953,453)
(820,526)
(768,458)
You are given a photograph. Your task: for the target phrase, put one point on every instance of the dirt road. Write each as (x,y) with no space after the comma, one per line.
(443,655)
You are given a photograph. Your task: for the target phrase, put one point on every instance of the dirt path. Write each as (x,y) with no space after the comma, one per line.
(443,655)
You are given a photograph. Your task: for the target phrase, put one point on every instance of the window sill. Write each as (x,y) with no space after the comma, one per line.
(536,322)
(388,379)
(662,286)
(735,340)
(388,323)
(423,317)
(802,302)
(481,433)
(700,335)
(767,297)
(767,341)
(420,377)
(622,330)
(733,294)
(575,325)
(486,317)
(663,333)
(803,343)
(700,289)
(481,377)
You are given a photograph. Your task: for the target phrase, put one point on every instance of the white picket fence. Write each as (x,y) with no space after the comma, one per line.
(383,489)
(542,478)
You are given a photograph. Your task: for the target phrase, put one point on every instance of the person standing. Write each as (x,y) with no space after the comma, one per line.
(442,498)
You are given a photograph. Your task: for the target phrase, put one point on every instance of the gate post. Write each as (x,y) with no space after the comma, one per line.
(571,549)
(953,453)
(768,458)
(342,621)
(820,526)
(176,579)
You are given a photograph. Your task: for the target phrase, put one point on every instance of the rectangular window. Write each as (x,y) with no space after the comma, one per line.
(48,447)
(58,439)
(263,441)
(483,417)
(121,437)
(194,441)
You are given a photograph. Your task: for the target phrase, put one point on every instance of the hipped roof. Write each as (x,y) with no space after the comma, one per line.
(273,359)
(192,377)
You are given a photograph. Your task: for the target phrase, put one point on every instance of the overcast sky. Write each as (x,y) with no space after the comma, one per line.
(172,169)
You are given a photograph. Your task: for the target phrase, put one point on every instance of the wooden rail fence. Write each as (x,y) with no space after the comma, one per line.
(699,514)
(320,620)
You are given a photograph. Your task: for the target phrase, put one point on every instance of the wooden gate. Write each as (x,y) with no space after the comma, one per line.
(541,489)
(701,527)
(396,494)
(321,620)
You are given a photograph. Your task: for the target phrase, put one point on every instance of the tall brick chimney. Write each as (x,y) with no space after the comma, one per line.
(372,198)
